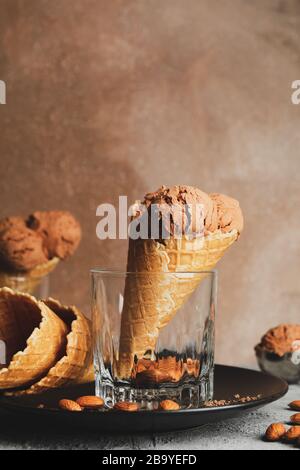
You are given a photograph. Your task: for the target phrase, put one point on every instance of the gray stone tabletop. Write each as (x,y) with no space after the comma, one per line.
(242,433)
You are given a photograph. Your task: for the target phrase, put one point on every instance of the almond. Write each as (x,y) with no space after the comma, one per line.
(292,434)
(169,405)
(126,406)
(295,405)
(69,405)
(91,402)
(295,419)
(275,432)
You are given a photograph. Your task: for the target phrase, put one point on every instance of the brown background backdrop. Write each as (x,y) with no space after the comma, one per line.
(117,97)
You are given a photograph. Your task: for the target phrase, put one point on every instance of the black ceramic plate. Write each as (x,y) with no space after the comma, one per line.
(229,381)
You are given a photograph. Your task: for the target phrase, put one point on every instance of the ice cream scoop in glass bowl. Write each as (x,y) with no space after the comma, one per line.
(278,353)
(31,248)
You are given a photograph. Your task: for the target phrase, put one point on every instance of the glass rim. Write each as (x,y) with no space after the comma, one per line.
(98,271)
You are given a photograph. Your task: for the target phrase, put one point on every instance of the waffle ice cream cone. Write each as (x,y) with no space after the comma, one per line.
(34,338)
(88,376)
(30,280)
(75,366)
(151,301)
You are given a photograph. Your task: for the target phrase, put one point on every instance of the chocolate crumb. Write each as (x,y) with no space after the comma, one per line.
(235,401)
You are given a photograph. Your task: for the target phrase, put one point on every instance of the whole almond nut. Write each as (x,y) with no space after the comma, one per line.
(292,434)
(90,402)
(295,405)
(275,432)
(126,406)
(295,419)
(169,405)
(69,405)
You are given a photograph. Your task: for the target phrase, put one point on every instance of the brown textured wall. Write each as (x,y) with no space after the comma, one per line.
(116,97)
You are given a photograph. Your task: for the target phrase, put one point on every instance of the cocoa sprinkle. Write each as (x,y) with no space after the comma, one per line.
(235,401)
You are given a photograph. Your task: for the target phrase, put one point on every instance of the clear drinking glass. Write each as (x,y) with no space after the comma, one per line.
(175,361)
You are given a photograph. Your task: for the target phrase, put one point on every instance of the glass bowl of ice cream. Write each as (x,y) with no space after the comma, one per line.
(278,353)
(32,247)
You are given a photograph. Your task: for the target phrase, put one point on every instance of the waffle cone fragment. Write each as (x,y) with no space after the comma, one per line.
(30,280)
(34,337)
(75,366)
(150,301)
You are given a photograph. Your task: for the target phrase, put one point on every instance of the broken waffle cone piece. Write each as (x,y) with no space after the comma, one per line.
(88,375)
(34,337)
(75,366)
(149,378)
(29,280)
(166,369)
(171,366)
(157,291)
(192,367)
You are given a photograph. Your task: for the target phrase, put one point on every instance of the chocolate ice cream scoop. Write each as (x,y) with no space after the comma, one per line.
(278,353)
(21,249)
(60,231)
(229,213)
(174,201)
(283,339)
(9,222)
(220,212)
